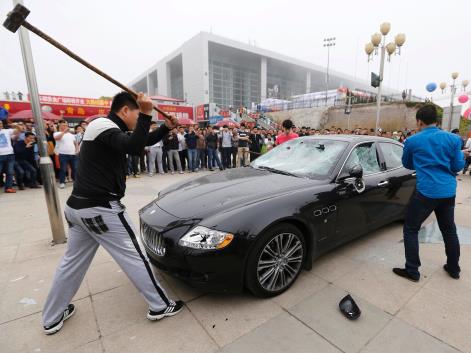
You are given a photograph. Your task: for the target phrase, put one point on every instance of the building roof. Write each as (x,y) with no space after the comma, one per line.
(166,99)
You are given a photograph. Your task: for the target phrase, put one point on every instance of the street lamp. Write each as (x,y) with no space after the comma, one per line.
(328,42)
(378,41)
(453,88)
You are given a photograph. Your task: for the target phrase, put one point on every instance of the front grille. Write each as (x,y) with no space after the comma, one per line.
(153,239)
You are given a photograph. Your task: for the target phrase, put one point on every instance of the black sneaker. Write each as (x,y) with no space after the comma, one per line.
(173,309)
(451,274)
(50,330)
(402,272)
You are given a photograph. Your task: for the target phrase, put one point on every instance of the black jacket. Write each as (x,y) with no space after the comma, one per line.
(171,142)
(191,140)
(212,141)
(101,172)
(23,153)
(256,142)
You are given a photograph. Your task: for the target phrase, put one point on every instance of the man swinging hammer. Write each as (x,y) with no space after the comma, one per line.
(96,216)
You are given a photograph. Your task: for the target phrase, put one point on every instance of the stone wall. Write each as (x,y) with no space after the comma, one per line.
(311,117)
(394,116)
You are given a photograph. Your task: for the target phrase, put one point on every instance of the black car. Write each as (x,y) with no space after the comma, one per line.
(258,227)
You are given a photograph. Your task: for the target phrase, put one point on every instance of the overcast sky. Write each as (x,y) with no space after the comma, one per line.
(126,37)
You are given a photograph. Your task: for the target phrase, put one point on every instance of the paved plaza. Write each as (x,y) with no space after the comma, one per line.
(432,316)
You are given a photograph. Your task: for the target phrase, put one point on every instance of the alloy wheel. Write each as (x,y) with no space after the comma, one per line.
(280,262)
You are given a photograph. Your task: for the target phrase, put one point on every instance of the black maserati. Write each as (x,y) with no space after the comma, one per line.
(258,227)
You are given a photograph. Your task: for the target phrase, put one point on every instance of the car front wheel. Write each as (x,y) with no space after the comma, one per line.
(276,260)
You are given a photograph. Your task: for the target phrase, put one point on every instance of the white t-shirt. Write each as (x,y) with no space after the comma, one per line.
(468,144)
(181,142)
(5,142)
(66,144)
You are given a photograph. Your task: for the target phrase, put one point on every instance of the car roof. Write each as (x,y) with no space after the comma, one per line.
(350,138)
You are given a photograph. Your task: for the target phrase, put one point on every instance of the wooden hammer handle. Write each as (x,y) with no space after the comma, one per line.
(74,56)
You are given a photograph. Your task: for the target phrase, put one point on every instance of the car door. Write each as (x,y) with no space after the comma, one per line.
(361,211)
(401,181)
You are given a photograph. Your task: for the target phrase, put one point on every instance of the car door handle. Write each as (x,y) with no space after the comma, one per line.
(383,183)
(414,174)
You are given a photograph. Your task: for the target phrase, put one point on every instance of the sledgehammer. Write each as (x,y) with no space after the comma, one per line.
(17,18)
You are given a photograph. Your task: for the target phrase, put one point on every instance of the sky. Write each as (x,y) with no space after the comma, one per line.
(124,38)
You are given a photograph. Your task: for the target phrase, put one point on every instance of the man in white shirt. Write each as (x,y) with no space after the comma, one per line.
(7,156)
(155,153)
(66,147)
(182,148)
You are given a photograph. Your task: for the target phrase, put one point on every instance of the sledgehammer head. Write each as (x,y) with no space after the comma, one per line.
(16,18)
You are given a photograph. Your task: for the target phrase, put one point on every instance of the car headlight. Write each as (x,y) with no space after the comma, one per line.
(205,238)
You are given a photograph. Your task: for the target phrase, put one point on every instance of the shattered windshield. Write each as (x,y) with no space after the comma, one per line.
(303,157)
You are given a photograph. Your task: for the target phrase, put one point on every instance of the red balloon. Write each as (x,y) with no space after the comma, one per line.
(463,98)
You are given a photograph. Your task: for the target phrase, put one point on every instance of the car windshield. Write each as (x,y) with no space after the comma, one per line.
(303,157)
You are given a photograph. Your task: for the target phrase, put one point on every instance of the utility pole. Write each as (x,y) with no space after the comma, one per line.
(45,162)
(328,42)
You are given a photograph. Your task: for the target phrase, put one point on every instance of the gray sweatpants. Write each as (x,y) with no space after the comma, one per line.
(111,228)
(155,153)
(173,155)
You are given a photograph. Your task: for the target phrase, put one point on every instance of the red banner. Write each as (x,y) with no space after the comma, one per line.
(200,112)
(177,110)
(66,111)
(48,99)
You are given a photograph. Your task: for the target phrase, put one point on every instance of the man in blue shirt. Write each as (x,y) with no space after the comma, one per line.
(436,157)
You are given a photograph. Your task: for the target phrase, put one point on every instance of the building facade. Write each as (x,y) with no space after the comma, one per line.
(213,69)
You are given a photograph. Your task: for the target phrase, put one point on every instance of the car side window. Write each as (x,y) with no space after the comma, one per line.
(392,155)
(366,156)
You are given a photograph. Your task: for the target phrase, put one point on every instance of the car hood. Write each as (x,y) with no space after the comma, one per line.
(221,191)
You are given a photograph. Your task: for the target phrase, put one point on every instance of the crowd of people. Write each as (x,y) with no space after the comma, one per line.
(185,149)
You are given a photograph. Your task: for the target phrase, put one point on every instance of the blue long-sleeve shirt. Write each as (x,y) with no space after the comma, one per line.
(436,156)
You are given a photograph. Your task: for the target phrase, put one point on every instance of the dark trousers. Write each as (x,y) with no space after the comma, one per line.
(133,165)
(202,158)
(142,162)
(418,210)
(226,157)
(183,158)
(466,165)
(213,159)
(26,172)
(254,154)
(165,160)
(64,160)
(7,163)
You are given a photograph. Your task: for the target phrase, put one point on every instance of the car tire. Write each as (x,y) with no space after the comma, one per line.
(262,255)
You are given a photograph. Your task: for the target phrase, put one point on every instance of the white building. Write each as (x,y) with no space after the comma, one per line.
(213,69)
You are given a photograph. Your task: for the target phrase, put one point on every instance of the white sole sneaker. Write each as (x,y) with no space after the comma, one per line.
(68,313)
(170,311)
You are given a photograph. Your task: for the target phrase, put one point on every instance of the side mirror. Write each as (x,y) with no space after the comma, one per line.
(356,171)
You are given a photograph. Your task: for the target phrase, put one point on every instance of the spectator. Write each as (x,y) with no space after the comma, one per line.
(269,142)
(78,136)
(243,151)
(191,142)
(155,154)
(256,143)
(84,125)
(172,144)
(25,160)
(235,147)
(7,157)
(212,145)
(182,148)
(226,144)
(201,148)
(287,134)
(66,147)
